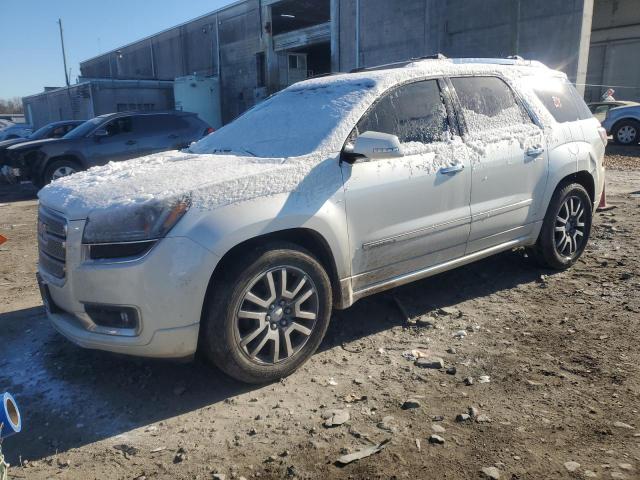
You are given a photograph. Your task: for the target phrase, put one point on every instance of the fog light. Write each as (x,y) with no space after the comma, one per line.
(111,316)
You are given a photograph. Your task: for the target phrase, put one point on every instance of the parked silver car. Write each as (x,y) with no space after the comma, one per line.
(331,190)
(623,123)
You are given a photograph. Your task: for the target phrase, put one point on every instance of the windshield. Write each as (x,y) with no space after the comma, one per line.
(40,133)
(295,122)
(84,128)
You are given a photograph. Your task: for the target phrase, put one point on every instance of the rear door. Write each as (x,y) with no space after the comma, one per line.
(408,213)
(160,132)
(509,161)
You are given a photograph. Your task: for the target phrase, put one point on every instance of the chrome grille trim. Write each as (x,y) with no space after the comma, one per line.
(52,236)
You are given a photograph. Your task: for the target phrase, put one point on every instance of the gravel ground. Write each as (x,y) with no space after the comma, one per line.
(545,364)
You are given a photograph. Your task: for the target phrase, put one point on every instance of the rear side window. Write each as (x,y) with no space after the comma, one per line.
(159,123)
(561,99)
(414,113)
(488,103)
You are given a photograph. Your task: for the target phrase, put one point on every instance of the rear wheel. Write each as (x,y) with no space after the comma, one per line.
(627,132)
(566,228)
(59,169)
(267,314)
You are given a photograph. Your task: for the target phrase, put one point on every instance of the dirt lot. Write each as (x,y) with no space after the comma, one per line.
(559,351)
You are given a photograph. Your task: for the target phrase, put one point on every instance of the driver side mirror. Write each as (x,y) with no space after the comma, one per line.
(373,146)
(100,133)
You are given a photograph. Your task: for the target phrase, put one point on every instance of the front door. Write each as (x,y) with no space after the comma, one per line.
(411,212)
(119,143)
(509,162)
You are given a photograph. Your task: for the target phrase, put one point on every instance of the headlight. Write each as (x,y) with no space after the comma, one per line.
(134,223)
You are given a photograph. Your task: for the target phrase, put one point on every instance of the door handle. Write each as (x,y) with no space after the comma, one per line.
(131,142)
(452,169)
(535,151)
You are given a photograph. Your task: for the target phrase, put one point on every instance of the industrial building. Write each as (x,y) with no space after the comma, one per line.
(228,60)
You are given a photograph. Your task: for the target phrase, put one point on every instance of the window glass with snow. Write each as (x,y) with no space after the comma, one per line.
(488,103)
(414,113)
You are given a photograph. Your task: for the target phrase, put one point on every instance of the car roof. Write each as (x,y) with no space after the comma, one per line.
(65,122)
(129,113)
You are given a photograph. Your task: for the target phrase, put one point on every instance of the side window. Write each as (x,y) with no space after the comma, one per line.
(119,126)
(561,99)
(58,132)
(151,124)
(488,103)
(414,113)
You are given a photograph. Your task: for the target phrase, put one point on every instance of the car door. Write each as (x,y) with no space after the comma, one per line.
(159,132)
(114,141)
(408,213)
(509,165)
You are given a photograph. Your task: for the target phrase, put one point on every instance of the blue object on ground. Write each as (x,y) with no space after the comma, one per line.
(10,419)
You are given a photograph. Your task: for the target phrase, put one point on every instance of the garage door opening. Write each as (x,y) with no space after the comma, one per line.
(301,63)
(290,15)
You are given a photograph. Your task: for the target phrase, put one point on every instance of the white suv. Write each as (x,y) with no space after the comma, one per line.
(331,190)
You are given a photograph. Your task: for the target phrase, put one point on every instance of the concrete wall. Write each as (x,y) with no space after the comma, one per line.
(551,31)
(60,104)
(226,42)
(615,50)
(193,48)
(91,98)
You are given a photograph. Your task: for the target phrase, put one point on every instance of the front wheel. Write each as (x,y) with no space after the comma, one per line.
(267,314)
(59,169)
(565,229)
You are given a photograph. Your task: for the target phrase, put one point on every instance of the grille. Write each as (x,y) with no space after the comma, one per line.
(52,236)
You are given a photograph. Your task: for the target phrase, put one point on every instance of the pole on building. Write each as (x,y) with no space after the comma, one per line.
(357,33)
(64,55)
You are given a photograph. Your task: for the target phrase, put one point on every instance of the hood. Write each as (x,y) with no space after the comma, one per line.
(14,141)
(209,180)
(27,144)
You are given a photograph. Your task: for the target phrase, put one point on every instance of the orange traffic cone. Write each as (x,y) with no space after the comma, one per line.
(602,206)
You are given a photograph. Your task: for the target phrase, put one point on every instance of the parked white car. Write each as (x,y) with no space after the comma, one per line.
(331,190)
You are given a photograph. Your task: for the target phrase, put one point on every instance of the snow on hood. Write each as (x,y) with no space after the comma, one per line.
(275,145)
(209,180)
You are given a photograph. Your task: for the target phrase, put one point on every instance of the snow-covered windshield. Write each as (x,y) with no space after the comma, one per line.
(297,121)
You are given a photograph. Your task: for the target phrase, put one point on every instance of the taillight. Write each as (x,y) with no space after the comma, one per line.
(208,131)
(603,136)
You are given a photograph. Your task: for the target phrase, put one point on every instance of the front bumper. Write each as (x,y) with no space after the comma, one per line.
(166,286)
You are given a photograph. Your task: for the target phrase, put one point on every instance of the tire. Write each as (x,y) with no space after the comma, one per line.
(560,249)
(627,132)
(59,169)
(243,345)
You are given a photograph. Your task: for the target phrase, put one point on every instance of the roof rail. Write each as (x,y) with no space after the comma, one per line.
(403,63)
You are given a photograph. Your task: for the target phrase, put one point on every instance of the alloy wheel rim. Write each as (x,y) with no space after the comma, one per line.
(626,134)
(277,315)
(62,172)
(570,227)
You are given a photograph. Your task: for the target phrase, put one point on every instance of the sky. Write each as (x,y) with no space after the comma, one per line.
(30,53)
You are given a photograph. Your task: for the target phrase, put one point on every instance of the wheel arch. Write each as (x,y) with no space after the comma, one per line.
(66,156)
(306,238)
(583,178)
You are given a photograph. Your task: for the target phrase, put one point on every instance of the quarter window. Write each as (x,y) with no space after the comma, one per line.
(414,113)
(561,99)
(488,103)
